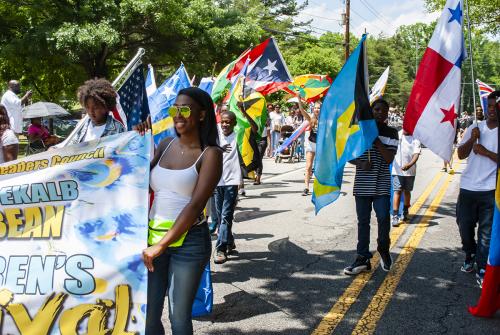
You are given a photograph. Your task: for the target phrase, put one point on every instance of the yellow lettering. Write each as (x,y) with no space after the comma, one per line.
(43,320)
(53,221)
(30,166)
(11,215)
(3,227)
(33,223)
(55,160)
(123,306)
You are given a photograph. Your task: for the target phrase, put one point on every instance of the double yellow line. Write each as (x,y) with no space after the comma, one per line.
(378,304)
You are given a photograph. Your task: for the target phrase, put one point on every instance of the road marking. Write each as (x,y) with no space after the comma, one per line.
(368,322)
(338,311)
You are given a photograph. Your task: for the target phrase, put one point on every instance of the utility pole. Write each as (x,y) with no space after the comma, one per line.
(347,15)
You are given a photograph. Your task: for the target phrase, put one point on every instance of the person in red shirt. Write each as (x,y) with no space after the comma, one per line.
(38,132)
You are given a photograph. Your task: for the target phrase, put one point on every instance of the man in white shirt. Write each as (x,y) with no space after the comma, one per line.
(14,105)
(404,169)
(476,200)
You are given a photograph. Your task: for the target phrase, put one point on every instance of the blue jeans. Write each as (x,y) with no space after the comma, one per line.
(476,208)
(381,205)
(275,141)
(177,273)
(225,202)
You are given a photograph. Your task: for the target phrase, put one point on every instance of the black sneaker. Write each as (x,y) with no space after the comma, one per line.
(360,264)
(305,192)
(231,249)
(468,265)
(385,260)
(220,257)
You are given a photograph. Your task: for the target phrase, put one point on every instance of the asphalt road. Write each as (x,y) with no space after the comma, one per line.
(287,278)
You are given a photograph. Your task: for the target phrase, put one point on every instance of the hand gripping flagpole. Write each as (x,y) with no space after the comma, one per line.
(120,79)
(471,62)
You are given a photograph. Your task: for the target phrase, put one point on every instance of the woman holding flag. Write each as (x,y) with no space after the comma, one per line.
(311,146)
(184,173)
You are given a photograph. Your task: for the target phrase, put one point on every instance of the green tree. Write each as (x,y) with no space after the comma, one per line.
(484,14)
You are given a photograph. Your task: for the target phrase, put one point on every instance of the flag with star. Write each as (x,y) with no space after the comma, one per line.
(267,71)
(162,99)
(346,127)
(435,97)
(133,99)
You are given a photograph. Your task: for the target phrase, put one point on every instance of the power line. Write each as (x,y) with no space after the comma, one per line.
(376,13)
(321,17)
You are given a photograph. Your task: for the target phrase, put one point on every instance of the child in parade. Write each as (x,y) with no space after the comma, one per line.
(476,198)
(311,144)
(226,192)
(372,188)
(184,173)
(404,169)
(98,98)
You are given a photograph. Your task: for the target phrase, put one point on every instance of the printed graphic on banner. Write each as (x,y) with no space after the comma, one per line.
(73,224)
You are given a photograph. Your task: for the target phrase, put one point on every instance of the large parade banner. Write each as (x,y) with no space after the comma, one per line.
(73,224)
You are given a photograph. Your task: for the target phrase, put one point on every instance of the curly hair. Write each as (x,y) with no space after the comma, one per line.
(100,90)
(4,120)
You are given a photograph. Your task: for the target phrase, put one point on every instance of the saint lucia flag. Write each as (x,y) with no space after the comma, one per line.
(346,127)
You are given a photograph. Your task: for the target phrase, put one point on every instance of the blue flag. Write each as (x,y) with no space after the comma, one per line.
(346,127)
(133,98)
(162,99)
(207,84)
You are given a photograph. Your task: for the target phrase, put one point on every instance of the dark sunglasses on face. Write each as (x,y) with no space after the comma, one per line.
(184,111)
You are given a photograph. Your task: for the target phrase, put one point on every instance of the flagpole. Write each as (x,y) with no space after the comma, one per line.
(127,69)
(471,62)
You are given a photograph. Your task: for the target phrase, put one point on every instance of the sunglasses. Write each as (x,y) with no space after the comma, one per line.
(184,111)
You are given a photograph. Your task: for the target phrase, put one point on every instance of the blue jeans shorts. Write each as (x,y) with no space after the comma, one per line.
(403,183)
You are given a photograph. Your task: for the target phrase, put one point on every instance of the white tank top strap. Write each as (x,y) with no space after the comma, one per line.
(199,157)
(166,149)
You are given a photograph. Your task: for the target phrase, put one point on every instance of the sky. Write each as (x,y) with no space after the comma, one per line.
(377,16)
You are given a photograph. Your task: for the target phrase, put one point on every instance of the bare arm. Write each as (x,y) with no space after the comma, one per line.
(10,152)
(24,99)
(465,149)
(387,155)
(413,161)
(253,125)
(303,112)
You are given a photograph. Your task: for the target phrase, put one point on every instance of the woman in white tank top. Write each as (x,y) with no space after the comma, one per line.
(184,174)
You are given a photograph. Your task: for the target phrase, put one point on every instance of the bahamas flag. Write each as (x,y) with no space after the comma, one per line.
(346,127)
(489,302)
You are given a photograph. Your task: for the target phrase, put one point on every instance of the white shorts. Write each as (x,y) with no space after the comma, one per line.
(310,146)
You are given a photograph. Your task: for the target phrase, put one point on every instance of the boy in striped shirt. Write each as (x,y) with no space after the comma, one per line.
(372,187)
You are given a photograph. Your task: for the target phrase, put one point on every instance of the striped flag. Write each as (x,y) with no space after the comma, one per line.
(484,91)
(133,99)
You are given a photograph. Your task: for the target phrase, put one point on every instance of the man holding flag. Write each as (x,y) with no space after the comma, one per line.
(476,199)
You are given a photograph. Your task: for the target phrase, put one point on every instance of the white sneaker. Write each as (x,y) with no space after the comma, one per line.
(395,221)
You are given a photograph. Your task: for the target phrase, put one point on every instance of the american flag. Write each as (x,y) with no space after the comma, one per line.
(484,91)
(133,98)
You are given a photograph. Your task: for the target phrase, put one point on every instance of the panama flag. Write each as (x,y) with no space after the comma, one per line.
(435,97)
(484,91)
(489,302)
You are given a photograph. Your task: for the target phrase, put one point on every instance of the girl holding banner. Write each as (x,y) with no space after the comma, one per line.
(184,173)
